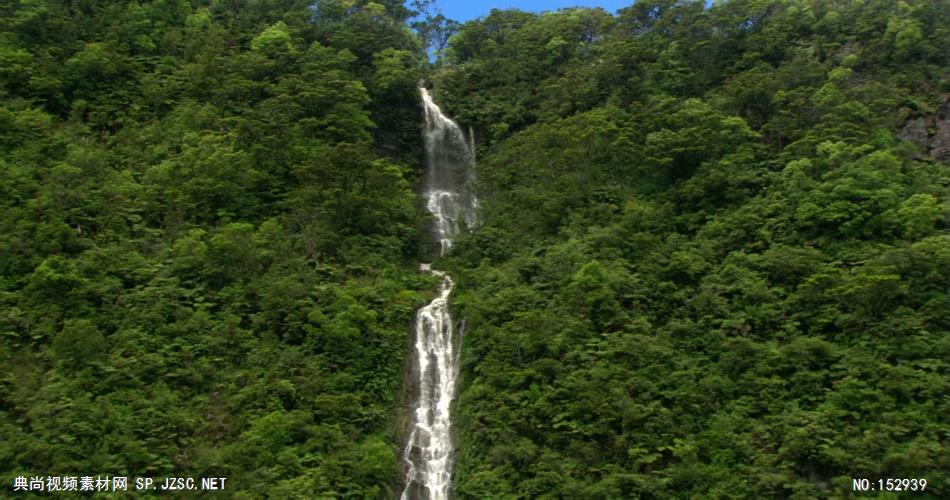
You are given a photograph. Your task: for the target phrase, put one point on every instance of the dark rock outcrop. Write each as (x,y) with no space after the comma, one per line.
(915,132)
(940,141)
(930,134)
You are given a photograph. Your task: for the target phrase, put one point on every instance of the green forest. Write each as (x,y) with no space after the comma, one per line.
(713,257)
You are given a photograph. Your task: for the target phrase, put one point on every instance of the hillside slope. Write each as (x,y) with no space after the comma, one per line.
(709,267)
(208,241)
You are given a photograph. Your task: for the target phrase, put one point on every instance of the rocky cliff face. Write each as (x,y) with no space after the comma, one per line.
(940,141)
(914,131)
(930,135)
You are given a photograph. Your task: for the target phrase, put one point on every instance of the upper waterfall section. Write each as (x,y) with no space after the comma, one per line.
(450,174)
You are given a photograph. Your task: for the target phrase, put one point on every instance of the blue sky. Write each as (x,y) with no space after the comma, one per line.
(464,10)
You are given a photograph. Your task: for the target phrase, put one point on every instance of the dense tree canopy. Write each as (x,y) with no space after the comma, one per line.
(207,240)
(708,268)
(713,258)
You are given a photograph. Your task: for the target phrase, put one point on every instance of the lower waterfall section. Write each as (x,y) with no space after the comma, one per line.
(428,451)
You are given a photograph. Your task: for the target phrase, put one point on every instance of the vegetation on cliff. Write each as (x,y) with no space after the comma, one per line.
(708,267)
(713,257)
(208,237)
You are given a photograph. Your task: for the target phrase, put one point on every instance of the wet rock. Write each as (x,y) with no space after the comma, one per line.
(915,132)
(940,142)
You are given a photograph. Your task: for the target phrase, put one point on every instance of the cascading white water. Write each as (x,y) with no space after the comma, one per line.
(428,454)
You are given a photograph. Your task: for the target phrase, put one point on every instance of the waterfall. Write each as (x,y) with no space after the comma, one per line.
(428,454)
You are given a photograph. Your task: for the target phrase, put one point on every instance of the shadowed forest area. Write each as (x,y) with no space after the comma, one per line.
(712,259)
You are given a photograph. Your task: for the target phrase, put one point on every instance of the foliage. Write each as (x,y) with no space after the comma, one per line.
(706,267)
(208,241)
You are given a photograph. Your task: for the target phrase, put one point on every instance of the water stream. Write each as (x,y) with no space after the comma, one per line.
(428,454)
